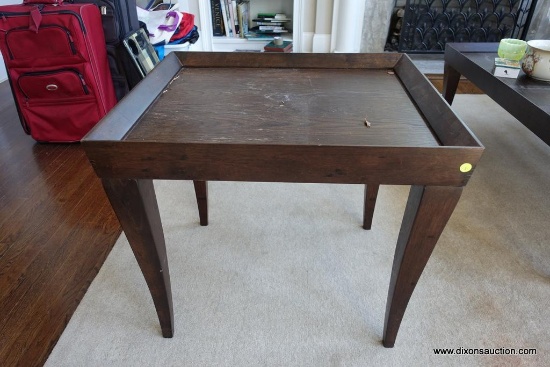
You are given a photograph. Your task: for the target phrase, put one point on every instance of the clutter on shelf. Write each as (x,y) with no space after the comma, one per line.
(168,28)
(269,26)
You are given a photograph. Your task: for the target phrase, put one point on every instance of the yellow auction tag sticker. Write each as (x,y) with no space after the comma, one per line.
(465,167)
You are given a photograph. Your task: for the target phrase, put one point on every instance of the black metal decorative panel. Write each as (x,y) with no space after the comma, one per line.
(429,24)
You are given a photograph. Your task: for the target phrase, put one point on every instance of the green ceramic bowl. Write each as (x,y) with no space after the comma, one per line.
(511,49)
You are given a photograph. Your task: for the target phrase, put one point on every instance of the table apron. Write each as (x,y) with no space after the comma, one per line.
(283,163)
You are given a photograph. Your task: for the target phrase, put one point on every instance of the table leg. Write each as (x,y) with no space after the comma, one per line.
(371,193)
(135,204)
(201,192)
(451,78)
(426,214)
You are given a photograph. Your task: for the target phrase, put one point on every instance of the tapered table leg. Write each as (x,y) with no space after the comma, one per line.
(371,193)
(201,192)
(426,214)
(135,205)
(451,78)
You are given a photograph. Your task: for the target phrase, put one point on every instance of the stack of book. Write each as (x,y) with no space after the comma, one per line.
(506,68)
(269,25)
(153,5)
(285,46)
(230,18)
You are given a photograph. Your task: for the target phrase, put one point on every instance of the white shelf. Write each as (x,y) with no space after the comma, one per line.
(227,44)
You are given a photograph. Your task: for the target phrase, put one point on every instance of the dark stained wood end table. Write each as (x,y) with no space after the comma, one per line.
(285,118)
(527,99)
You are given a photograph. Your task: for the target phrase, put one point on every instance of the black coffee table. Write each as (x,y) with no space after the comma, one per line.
(525,98)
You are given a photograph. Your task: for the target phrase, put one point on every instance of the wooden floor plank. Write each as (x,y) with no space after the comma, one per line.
(56,229)
(66,283)
(54,199)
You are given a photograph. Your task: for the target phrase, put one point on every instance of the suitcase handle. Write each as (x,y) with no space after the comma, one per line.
(54,2)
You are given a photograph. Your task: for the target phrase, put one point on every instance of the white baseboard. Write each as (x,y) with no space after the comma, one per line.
(321,43)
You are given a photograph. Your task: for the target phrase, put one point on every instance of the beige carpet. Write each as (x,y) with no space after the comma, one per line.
(285,276)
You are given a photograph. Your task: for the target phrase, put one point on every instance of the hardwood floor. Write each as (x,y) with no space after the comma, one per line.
(56,229)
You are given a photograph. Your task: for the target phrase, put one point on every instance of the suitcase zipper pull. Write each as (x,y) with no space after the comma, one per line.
(84,86)
(71,43)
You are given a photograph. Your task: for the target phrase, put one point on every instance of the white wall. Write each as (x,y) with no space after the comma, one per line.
(539,29)
(3,75)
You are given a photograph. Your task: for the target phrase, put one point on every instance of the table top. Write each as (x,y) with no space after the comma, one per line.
(284,118)
(285,106)
(303,99)
(482,55)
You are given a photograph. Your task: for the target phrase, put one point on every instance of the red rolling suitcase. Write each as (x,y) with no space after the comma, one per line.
(56,60)
(120,20)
